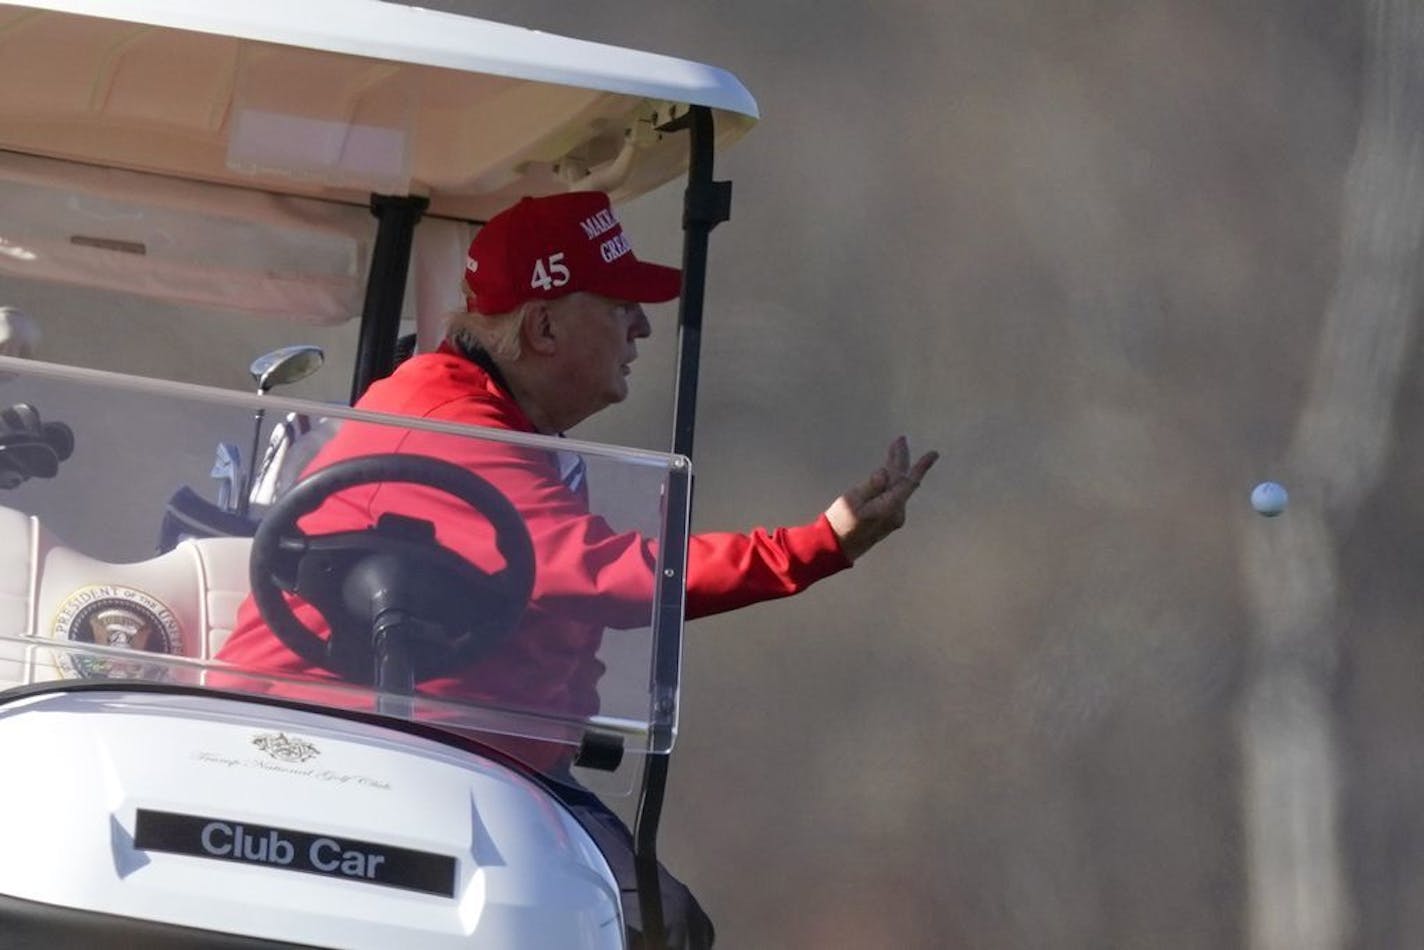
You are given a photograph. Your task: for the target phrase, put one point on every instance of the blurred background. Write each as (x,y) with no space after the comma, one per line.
(1119,262)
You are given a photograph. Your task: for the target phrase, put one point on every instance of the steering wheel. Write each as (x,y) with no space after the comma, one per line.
(391,590)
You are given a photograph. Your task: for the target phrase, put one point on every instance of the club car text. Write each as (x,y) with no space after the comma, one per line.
(325,855)
(290,850)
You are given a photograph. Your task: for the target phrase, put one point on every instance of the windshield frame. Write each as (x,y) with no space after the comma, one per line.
(654,735)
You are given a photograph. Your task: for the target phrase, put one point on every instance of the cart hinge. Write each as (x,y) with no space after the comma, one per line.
(708,204)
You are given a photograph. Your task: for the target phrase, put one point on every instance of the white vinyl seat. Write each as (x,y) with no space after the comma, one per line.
(224,584)
(16,576)
(182,602)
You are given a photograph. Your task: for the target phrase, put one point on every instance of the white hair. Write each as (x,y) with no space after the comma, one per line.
(498,334)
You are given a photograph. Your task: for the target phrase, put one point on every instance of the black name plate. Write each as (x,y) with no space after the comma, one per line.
(283,848)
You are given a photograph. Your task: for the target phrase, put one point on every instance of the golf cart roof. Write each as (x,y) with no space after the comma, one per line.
(338,99)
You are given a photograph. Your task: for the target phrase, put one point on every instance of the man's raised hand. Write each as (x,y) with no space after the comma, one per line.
(870,511)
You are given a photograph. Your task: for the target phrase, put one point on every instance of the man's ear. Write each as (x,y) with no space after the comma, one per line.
(537,333)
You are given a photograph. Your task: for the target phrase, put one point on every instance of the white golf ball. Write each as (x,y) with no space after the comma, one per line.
(1269,499)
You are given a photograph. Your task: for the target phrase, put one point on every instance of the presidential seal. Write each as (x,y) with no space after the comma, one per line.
(112,616)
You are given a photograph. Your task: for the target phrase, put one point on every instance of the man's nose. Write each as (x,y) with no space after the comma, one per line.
(640,327)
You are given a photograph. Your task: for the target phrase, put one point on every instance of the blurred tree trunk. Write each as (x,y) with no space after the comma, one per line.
(1298,892)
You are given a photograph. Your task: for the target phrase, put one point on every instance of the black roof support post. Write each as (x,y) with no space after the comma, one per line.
(706,204)
(397,216)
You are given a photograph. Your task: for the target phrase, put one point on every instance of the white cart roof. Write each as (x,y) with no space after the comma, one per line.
(339,98)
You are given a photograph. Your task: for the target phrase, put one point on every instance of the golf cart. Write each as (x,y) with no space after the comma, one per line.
(238,161)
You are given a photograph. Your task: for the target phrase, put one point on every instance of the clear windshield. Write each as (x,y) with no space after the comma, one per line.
(528,611)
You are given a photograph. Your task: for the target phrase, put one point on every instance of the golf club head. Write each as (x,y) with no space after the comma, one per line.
(59,437)
(20,418)
(29,446)
(27,459)
(285,366)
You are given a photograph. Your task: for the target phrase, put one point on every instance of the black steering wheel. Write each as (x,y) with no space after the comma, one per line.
(401,607)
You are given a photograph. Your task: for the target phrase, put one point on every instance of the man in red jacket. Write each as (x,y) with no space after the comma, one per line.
(554,314)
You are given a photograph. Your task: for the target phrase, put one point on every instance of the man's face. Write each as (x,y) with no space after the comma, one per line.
(597,343)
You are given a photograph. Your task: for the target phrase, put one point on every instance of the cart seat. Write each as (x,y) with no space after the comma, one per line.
(182,602)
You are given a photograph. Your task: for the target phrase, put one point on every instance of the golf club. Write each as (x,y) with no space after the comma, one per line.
(281,367)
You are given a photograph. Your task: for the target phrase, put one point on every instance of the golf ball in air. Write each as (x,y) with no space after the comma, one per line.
(1269,499)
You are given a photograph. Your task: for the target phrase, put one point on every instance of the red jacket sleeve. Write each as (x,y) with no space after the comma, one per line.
(727,571)
(588,570)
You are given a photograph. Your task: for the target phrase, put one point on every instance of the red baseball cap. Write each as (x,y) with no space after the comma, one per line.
(544,248)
